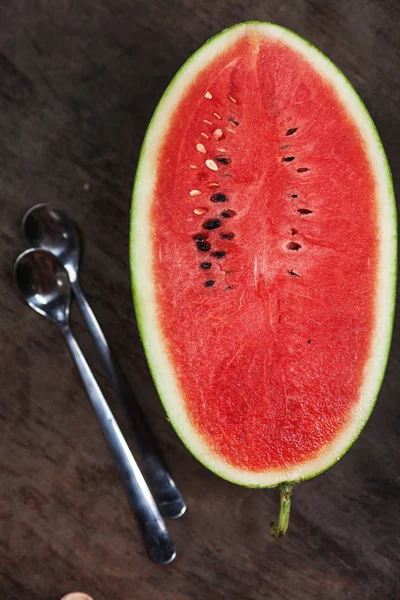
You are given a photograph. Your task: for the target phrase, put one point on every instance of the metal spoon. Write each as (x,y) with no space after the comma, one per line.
(48,227)
(43,282)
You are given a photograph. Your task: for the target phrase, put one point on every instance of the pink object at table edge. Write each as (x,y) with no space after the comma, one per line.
(77,596)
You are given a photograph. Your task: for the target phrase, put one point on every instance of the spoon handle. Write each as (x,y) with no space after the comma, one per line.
(159,544)
(166,493)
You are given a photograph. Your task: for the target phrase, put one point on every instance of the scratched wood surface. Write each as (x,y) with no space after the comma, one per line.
(79,80)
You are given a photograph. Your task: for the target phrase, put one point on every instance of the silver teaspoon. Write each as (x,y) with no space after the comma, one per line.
(50,228)
(44,284)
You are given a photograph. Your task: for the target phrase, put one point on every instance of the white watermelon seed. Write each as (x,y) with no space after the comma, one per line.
(208,95)
(195,193)
(208,122)
(213,184)
(211,164)
(201,148)
(205,135)
(199,211)
(217,134)
(217,115)
(232,99)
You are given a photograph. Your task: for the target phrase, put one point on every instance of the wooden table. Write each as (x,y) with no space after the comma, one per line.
(79,80)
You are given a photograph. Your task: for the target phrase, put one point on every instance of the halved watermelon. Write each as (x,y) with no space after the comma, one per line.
(263,257)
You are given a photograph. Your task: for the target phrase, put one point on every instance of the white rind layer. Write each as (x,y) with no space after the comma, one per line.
(144,286)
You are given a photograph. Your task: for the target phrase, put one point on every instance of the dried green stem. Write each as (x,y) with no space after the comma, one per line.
(285,492)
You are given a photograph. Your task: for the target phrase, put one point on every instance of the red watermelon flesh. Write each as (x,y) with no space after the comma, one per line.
(265,255)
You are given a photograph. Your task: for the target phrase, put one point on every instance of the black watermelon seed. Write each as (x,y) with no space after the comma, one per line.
(228,287)
(288,158)
(209,283)
(227,236)
(232,120)
(291,131)
(204,247)
(293,246)
(226,215)
(304,211)
(219,254)
(218,198)
(212,224)
(295,195)
(223,160)
(199,239)
(293,273)
(205,265)
(303,170)
(309,342)
(294,231)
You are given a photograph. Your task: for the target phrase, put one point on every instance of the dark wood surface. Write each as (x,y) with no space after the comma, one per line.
(79,80)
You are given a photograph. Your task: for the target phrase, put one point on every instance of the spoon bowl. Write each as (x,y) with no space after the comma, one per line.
(48,227)
(44,284)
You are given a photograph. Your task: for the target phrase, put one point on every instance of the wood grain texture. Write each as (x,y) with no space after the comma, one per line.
(79,82)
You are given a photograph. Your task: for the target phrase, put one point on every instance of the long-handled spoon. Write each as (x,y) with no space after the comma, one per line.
(44,283)
(48,227)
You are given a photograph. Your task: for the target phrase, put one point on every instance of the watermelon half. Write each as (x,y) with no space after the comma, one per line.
(263,258)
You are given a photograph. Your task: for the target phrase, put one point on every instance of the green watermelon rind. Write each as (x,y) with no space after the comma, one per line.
(136,284)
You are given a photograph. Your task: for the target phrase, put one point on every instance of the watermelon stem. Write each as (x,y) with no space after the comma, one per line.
(285,492)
